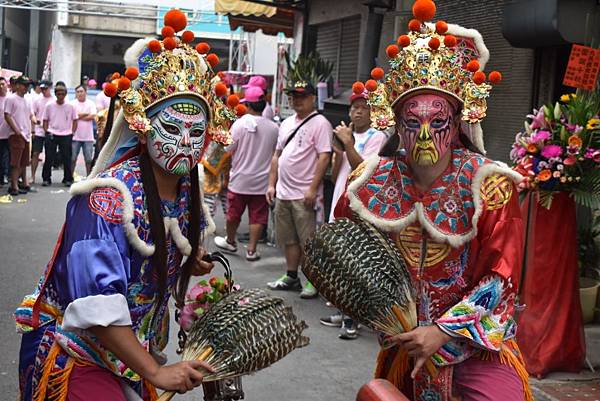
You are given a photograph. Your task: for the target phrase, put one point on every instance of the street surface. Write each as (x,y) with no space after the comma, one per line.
(327,369)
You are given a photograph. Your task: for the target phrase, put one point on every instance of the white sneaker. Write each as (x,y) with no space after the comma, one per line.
(221,243)
(251,257)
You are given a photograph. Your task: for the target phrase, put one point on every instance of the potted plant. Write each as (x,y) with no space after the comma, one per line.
(589,260)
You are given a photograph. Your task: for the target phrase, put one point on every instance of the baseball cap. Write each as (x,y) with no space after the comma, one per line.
(45,84)
(252,94)
(301,88)
(22,79)
(363,95)
(258,81)
(92,82)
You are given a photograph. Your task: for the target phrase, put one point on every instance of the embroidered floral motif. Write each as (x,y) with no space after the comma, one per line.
(496,191)
(107,203)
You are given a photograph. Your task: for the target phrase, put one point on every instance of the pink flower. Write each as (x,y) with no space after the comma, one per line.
(551,151)
(538,120)
(198,291)
(541,136)
(187,316)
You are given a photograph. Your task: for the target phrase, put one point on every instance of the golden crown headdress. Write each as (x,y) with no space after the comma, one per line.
(160,70)
(440,57)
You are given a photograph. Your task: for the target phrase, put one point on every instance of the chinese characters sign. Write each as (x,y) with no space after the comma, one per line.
(583,67)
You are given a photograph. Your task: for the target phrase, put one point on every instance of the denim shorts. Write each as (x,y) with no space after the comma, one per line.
(88,150)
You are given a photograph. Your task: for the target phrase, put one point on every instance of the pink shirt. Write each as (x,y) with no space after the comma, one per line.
(85,128)
(60,118)
(4,128)
(20,110)
(254,140)
(366,144)
(298,160)
(102,101)
(39,105)
(268,112)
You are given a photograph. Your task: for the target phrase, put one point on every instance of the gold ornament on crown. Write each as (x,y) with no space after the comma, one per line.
(428,59)
(172,68)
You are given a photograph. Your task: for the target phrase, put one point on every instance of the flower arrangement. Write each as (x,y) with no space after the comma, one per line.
(200,298)
(559,149)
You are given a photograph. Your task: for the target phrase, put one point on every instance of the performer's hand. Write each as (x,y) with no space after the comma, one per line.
(421,343)
(310,198)
(201,267)
(181,376)
(270,195)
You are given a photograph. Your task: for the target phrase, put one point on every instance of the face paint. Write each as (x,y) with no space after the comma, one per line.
(427,127)
(176,140)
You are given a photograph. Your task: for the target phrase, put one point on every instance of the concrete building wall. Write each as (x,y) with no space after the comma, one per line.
(66,57)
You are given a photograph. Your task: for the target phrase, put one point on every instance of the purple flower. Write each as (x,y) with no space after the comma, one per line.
(551,151)
(540,136)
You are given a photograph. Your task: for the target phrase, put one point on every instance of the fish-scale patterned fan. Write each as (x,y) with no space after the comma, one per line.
(362,273)
(244,332)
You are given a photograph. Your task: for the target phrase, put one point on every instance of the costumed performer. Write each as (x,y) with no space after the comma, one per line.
(453,214)
(96,325)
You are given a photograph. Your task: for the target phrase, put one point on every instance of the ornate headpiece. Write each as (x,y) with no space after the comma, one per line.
(160,70)
(438,57)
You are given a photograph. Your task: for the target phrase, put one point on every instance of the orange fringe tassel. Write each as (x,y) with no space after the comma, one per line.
(151,390)
(398,369)
(511,355)
(53,386)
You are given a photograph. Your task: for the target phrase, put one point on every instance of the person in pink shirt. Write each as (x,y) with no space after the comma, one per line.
(254,140)
(102,101)
(4,131)
(301,158)
(260,82)
(83,138)
(37,143)
(59,122)
(18,117)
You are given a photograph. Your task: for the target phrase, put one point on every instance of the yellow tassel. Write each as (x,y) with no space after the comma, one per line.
(53,386)
(510,355)
(151,390)
(398,369)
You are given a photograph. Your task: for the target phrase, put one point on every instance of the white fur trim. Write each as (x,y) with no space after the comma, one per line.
(172,226)
(418,213)
(96,310)
(210,223)
(87,186)
(133,53)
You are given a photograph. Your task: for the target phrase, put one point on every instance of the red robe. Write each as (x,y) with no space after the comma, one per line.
(462,241)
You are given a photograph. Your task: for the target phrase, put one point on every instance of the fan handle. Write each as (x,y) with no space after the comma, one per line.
(168,395)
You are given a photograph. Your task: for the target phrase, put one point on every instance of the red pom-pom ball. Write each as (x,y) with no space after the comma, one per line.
(110,89)
(371,85)
(414,25)
(124,83)
(441,27)
(220,89)
(176,20)
(392,51)
(212,59)
(187,36)
(202,47)
(233,100)
(154,46)
(240,110)
(449,41)
(358,87)
(479,77)
(221,75)
(424,10)
(404,40)
(434,43)
(170,43)
(495,77)
(167,32)
(115,75)
(132,73)
(377,73)
(473,66)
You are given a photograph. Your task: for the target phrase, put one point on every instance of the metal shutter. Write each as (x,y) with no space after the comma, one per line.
(338,41)
(510,101)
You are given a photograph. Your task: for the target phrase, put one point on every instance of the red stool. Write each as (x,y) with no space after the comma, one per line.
(380,390)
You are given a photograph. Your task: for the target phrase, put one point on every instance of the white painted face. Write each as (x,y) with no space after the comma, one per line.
(177,138)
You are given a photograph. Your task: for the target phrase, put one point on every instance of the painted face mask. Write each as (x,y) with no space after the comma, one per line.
(427,127)
(177,138)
